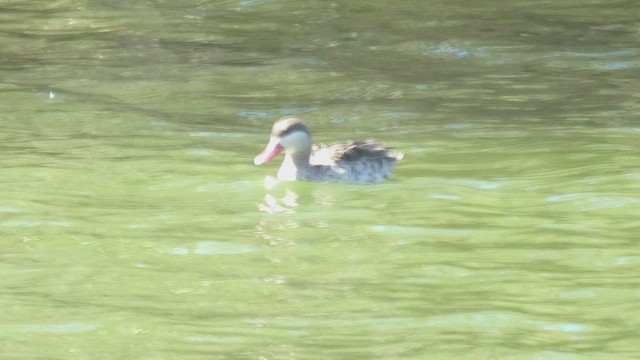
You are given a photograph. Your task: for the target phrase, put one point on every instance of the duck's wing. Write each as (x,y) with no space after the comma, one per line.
(352,151)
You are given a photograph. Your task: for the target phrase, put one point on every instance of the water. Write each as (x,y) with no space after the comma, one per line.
(135,226)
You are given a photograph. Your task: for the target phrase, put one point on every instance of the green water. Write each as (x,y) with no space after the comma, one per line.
(134,224)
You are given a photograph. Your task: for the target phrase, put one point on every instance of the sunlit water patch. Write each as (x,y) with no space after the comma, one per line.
(275,113)
(35,223)
(414,231)
(63,328)
(213,248)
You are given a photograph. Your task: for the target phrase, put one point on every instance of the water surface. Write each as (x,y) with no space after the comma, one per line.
(135,225)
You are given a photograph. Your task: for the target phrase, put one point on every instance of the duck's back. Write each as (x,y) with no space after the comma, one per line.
(353,162)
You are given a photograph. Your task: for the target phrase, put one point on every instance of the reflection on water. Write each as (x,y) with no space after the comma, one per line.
(210,247)
(64,328)
(272,204)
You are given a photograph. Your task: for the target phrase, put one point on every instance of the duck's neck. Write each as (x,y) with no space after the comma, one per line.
(299,159)
(294,167)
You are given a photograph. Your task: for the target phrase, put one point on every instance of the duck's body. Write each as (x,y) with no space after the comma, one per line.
(360,162)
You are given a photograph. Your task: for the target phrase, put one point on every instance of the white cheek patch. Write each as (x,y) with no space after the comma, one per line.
(296,140)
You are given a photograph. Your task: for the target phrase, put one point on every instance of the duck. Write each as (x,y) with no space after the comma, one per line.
(357,162)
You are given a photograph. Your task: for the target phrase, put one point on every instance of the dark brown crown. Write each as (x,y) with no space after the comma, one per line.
(285,126)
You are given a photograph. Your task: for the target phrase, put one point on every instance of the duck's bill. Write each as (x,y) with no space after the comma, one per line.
(272,149)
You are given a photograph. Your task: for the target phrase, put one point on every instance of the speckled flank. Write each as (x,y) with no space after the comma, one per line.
(363,171)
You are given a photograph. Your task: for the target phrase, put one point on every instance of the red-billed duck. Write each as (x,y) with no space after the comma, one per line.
(358,162)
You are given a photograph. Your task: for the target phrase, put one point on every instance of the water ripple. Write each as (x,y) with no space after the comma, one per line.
(63,328)
(213,248)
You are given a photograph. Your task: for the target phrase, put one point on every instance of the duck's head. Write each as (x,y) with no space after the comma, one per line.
(288,134)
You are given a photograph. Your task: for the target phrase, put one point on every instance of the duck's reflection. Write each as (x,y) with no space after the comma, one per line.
(269,231)
(272,204)
(277,200)
(286,204)
(285,196)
